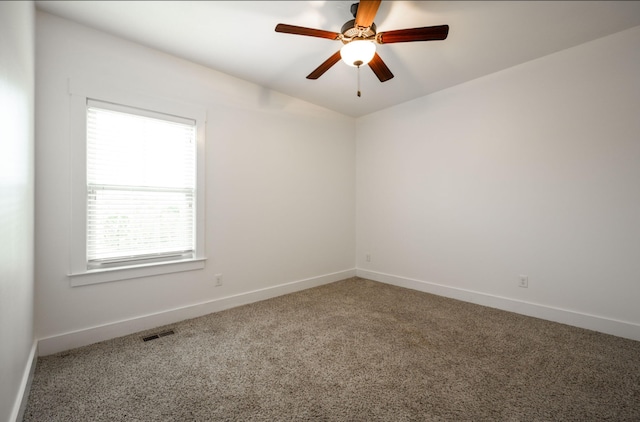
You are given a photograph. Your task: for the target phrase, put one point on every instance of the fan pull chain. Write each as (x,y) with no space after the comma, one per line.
(358,64)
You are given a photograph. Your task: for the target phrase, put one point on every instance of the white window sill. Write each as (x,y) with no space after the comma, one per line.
(134,271)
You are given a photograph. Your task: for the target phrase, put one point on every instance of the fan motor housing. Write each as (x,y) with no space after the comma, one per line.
(350,30)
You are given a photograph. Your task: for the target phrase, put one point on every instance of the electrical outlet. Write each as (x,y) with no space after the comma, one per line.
(367,257)
(523,281)
(218,279)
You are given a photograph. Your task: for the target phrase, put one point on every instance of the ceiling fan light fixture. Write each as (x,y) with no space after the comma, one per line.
(359,37)
(358,52)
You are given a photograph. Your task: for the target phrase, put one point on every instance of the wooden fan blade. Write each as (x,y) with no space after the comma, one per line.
(325,66)
(367,10)
(310,32)
(380,68)
(427,33)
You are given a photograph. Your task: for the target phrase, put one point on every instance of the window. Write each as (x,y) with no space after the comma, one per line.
(138,188)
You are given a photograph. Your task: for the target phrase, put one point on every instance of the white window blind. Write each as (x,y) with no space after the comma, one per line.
(141,186)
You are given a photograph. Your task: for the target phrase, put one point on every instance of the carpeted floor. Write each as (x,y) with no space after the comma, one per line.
(355,350)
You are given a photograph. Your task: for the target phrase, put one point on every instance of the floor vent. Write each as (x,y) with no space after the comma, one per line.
(158,335)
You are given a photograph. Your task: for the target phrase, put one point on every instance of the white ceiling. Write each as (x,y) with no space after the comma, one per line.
(238,38)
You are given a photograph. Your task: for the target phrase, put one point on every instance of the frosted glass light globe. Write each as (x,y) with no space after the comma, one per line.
(358,52)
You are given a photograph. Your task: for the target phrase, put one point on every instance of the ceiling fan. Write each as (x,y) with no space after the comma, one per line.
(359,37)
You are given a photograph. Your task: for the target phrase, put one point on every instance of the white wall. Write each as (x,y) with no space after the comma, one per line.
(534,170)
(17,30)
(280,190)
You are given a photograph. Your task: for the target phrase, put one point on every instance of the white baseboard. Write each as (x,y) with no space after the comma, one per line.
(84,337)
(20,405)
(604,325)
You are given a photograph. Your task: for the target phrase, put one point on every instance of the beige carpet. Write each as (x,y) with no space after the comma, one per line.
(354,350)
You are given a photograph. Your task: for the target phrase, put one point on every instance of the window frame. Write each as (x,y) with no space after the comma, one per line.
(80,92)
